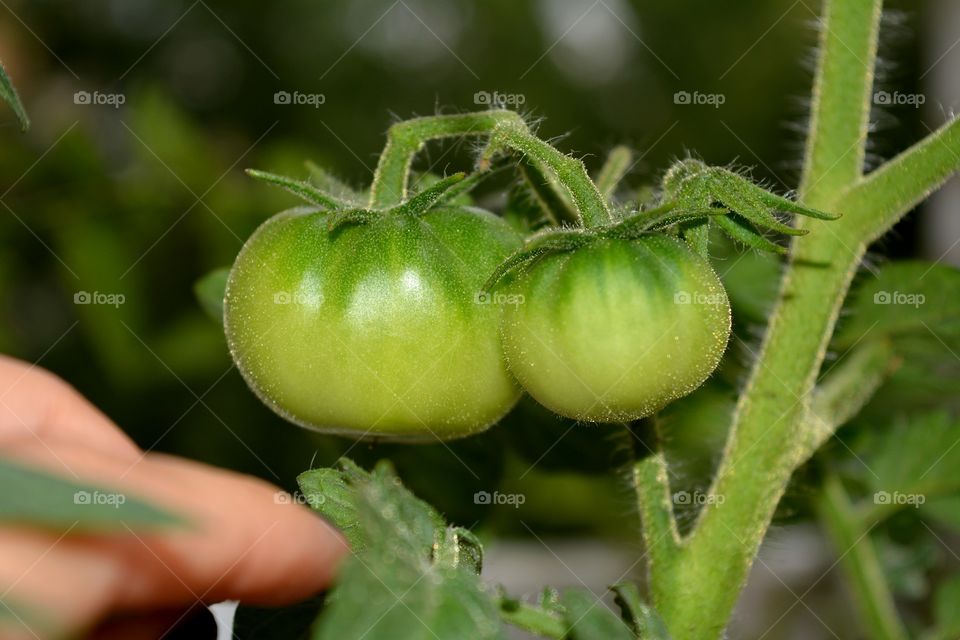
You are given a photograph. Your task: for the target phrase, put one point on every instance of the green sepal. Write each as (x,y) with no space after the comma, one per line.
(551,240)
(434,195)
(303,190)
(334,187)
(741,230)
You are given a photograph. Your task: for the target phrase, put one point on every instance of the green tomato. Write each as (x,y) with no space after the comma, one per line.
(376,329)
(615,330)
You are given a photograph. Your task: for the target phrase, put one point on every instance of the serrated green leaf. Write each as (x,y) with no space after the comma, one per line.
(414,577)
(645,622)
(209,291)
(39,498)
(907,297)
(9,95)
(385,595)
(328,493)
(588,619)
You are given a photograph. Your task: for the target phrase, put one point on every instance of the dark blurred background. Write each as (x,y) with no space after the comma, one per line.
(145,113)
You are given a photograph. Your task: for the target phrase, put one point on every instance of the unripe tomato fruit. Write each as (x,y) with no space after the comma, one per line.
(376,329)
(615,330)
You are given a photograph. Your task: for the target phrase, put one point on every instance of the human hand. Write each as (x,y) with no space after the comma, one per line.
(241,544)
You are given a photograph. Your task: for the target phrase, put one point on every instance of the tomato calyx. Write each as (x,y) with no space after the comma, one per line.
(694,195)
(347,210)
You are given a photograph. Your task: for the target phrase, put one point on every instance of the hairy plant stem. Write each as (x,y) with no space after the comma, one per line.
(697,592)
(405,139)
(854,546)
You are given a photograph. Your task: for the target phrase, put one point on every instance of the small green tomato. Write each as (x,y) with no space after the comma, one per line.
(614,330)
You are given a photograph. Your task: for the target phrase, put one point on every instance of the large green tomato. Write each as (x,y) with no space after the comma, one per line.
(616,329)
(376,329)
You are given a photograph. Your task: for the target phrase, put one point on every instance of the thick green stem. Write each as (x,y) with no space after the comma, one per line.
(841,98)
(570,172)
(405,139)
(859,560)
(765,444)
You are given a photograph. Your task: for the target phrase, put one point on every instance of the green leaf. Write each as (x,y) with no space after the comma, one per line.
(9,95)
(908,297)
(413,576)
(328,492)
(209,291)
(385,594)
(589,619)
(550,240)
(912,462)
(35,497)
(645,622)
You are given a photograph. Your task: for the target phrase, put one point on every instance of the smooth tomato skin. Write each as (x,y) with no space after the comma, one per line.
(374,330)
(617,329)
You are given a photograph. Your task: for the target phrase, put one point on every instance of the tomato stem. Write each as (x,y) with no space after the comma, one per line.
(570,172)
(404,139)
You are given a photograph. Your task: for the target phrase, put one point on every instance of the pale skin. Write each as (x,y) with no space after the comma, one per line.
(244,544)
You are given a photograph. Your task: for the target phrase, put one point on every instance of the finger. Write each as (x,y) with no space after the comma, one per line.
(37,405)
(243,544)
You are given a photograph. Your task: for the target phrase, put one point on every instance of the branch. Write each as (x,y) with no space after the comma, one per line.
(405,139)
(883,197)
(841,99)
(858,557)
(658,525)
